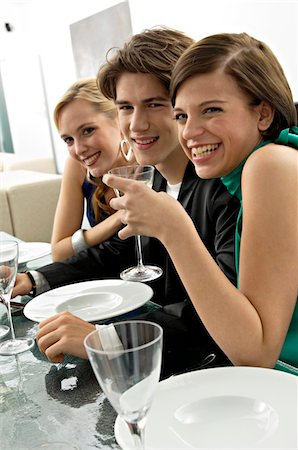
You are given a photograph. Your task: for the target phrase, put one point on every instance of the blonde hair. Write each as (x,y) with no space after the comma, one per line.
(87,89)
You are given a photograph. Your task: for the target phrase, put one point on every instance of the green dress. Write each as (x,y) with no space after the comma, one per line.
(288,359)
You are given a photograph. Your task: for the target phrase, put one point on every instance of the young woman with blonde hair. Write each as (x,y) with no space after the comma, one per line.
(88,124)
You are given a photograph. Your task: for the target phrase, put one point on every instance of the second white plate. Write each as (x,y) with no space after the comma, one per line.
(29,251)
(222,408)
(90,300)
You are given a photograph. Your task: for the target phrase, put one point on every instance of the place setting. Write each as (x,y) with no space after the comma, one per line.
(226,407)
(90,300)
(217,408)
(31,251)
(28,251)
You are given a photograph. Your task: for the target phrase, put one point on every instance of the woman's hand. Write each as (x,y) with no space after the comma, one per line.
(63,334)
(144,211)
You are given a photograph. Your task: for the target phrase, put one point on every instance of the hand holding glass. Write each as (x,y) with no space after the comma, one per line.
(126,359)
(141,272)
(9,254)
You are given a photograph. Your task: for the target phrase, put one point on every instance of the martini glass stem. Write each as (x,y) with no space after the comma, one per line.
(141,266)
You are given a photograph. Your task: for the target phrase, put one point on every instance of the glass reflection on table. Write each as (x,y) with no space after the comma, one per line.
(42,402)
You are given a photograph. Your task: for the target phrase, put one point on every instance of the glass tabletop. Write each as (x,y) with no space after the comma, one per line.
(43,402)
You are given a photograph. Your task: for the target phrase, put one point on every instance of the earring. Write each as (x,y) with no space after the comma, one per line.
(126,150)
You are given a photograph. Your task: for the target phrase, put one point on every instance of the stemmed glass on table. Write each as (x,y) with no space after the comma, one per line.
(141,272)
(9,253)
(126,359)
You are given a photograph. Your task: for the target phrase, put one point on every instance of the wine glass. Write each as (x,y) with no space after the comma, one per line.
(4,329)
(9,252)
(141,272)
(126,359)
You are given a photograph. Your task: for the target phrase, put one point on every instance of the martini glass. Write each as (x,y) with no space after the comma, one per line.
(9,252)
(140,272)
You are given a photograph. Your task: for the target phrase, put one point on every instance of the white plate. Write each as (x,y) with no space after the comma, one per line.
(90,300)
(29,251)
(228,407)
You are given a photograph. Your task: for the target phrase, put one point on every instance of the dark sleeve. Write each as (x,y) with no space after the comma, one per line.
(214,213)
(223,211)
(106,260)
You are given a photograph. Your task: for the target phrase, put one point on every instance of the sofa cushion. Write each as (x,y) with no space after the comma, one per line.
(11,161)
(5,217)
(32,198)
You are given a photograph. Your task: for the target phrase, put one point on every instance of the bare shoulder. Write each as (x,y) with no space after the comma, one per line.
(272,160)
(74,170)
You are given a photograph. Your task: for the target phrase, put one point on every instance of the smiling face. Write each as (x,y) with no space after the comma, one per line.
(146,119)
(91,137)
(217,127)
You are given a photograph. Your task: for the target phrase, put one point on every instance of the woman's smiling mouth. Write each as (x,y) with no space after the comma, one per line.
(91,159)
(204,150)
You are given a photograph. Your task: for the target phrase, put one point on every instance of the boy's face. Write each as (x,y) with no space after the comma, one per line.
(146,118)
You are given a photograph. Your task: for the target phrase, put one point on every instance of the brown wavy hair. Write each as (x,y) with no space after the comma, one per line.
(87,89)
(251,63)
(154,51)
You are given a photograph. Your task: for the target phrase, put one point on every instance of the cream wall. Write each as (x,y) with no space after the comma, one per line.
(274,21)
(41,40)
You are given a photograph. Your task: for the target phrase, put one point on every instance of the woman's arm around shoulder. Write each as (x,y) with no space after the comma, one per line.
(69,211)
(69,215)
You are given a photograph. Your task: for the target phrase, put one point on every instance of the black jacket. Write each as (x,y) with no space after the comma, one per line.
(213,211)
(186,340)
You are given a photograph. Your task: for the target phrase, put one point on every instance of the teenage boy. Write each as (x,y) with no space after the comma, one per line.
(137,78)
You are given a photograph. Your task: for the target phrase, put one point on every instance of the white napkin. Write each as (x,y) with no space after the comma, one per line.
(110,339)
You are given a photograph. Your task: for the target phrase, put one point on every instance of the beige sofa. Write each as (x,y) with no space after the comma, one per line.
(28,199)
(10,161)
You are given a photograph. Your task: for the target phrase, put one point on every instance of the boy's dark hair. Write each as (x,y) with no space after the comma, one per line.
(154,51)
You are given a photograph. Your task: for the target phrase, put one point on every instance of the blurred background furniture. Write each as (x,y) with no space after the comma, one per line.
(10,161)
(28,200)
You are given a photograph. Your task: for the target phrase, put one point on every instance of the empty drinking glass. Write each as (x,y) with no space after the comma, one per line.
(126,359)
